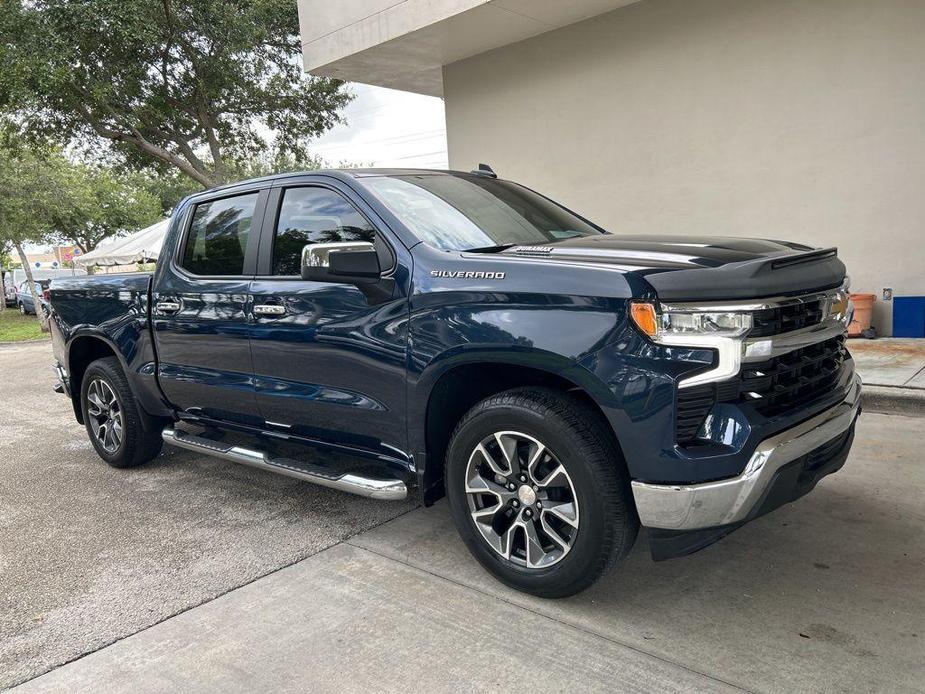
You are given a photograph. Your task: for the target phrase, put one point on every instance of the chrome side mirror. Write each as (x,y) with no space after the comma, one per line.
(348,262)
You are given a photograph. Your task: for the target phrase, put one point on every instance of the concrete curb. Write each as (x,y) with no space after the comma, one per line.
(893,400)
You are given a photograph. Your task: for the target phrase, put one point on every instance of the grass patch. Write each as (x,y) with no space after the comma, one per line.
(16,328)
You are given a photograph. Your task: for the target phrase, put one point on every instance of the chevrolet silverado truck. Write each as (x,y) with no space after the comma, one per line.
(398,332)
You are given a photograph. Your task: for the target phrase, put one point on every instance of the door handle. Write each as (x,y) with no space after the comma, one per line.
(167,306)
(269,310)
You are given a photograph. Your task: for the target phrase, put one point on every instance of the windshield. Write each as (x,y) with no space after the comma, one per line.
(457,213)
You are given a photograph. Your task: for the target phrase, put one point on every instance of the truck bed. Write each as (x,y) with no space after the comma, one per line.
(101,299)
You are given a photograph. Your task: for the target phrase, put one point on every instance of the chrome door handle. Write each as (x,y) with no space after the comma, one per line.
(167,306)
(269,310)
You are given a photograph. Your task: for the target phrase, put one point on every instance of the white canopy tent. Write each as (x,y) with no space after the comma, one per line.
(142,246)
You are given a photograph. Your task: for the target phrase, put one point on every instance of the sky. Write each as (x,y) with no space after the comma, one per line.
(386,127)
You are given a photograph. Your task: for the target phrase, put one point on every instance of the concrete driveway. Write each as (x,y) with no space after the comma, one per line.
(90,554)
(826,594)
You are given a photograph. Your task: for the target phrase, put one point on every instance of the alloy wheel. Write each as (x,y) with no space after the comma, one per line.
(521,499)
(105,415)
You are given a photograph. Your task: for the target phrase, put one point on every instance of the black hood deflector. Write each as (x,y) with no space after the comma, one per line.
(797,273)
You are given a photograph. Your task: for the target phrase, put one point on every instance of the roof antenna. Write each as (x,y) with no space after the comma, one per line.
(485,170)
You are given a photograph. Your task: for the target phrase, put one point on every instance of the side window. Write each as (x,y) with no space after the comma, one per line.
(218,236)
(314,215)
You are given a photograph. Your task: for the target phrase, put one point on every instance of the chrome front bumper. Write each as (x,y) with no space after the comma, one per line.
(729,501)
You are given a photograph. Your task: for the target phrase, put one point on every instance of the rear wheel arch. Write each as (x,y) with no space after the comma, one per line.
(82,351)
(463,386)
(120,431)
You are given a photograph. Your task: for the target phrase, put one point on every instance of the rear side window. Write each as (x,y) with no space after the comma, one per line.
(314,215)
(218,236)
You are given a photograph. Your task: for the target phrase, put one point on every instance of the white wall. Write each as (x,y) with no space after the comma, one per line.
(793,119)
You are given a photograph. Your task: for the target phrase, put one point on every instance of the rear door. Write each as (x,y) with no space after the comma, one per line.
(329,359)
(200,309)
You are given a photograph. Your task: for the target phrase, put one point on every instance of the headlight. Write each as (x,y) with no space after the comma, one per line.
(673,324)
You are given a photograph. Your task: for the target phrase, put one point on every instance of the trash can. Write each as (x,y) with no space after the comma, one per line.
(863,308)
(909,316)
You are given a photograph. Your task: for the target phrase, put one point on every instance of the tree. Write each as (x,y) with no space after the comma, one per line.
(5,261)
(267,163)
(95,205)
(169,186)
(29,194)
(184,84)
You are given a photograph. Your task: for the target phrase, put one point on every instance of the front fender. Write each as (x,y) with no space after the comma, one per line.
(587,342)
(545,334)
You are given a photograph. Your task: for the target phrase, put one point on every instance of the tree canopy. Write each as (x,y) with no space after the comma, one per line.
(29,190)
(95,204)
(204,86)
(46,198)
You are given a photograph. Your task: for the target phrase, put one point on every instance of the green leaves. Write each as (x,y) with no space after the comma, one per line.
(45,198)
(96,205)
(203,85)
(28,189)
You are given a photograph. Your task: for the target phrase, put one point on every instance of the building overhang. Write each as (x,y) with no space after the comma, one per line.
(404,44)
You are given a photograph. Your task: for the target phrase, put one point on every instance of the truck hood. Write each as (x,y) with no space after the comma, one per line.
(690,268)
(660,252)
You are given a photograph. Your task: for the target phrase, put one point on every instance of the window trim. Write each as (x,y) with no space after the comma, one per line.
(250,252)
(264,270)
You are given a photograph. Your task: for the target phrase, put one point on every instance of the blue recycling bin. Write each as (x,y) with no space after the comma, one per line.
(909,316)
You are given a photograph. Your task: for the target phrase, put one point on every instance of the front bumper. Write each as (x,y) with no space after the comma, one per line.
(730,502)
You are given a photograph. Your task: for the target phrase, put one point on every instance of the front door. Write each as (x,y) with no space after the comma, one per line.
(200,310)
(329,359)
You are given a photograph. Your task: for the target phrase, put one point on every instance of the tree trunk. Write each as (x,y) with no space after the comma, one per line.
(35,297)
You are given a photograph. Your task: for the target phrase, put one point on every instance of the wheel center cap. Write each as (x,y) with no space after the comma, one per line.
(526,495)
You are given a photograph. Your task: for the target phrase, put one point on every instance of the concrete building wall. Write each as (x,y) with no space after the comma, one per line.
(793,119)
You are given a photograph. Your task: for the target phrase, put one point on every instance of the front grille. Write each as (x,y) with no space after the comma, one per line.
(792,379)
(771,387)
(783,319)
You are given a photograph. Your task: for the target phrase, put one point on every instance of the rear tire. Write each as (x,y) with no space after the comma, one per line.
(122,433)
(571,501)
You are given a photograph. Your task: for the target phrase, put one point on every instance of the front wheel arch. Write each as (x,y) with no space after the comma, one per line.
(461,387)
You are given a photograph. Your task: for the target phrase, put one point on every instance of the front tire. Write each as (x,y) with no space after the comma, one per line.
(120,431)
(22,309)
(539,492)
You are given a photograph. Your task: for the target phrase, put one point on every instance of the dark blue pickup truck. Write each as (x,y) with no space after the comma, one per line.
(387,332)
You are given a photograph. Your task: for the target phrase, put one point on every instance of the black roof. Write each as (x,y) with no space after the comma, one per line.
(344,173)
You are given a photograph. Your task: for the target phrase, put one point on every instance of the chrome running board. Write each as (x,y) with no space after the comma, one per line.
(385,490)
